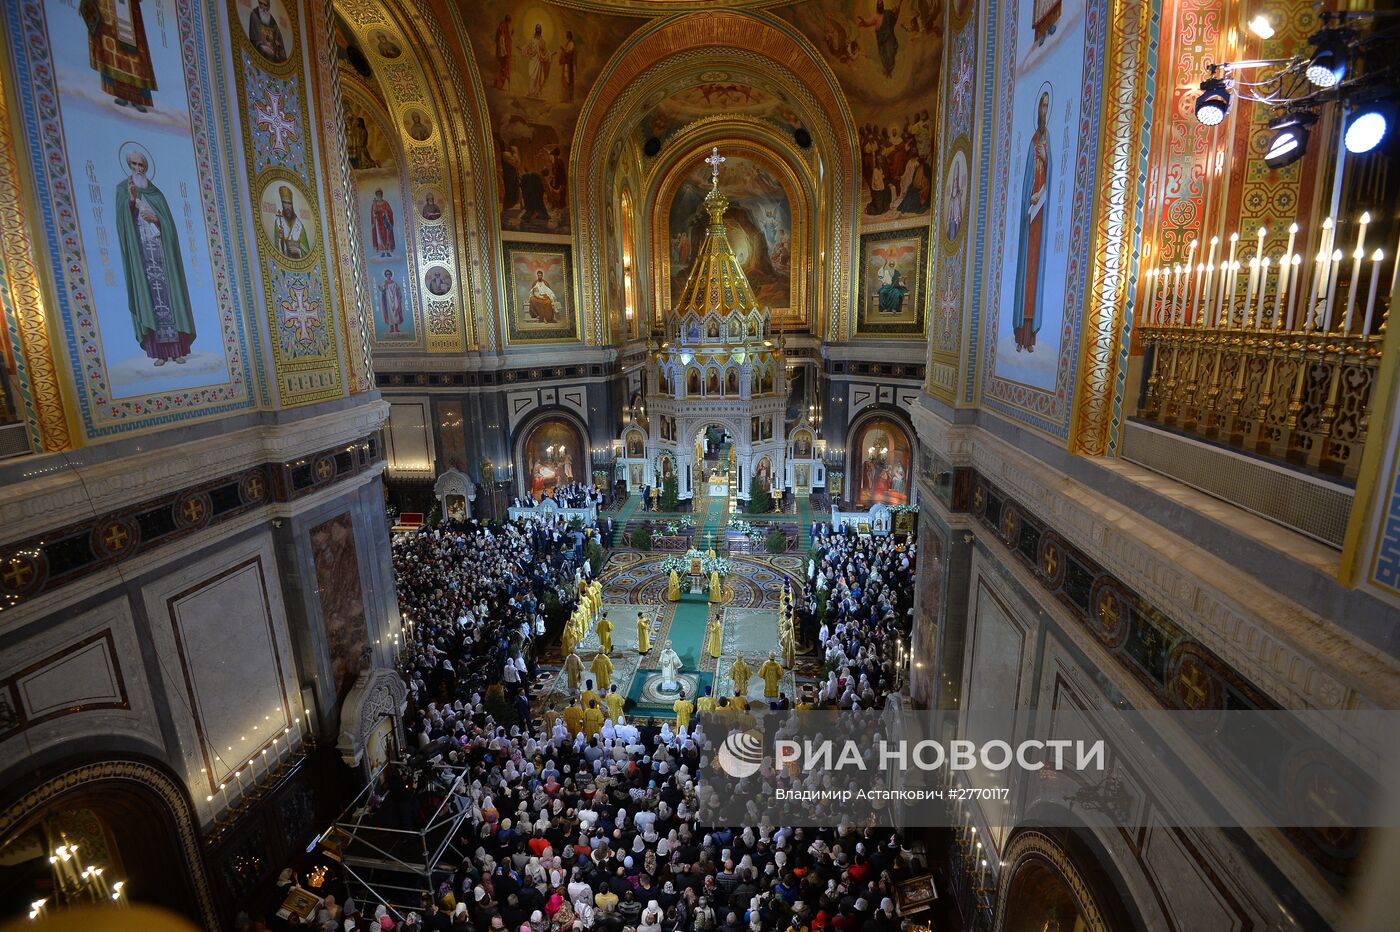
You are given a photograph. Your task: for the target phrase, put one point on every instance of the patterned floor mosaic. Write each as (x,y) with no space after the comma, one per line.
(753,633)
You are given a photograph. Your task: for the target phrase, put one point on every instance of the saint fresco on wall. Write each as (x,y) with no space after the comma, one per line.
(892,283)
(141,258)
(268,28)
(886,53)
(759,221)
(539,292)
(1034,269)
(719,92)
(537,62)
(882,464)
(287,221)
(382,202)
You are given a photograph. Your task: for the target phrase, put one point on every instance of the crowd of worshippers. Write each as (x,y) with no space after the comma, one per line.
(567,830)
(573,495)
(867,587)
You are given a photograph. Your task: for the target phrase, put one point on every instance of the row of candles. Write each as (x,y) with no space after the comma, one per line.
(1204,294)
(260,764)
(968,841)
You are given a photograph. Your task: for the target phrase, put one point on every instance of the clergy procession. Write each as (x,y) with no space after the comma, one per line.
(584,817)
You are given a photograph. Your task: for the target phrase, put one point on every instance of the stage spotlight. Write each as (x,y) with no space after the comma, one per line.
(1367,126)
(1329,61)
(1290,139)
(1213,102)
(1261,27)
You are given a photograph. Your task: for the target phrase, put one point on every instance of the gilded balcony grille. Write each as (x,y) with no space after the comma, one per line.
(1281,366)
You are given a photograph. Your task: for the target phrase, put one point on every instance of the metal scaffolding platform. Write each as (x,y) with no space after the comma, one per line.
(396,866)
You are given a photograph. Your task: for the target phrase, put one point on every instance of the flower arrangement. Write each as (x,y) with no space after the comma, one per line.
(681,564)
(904,509)
(716,565)
(684,523)
(744,528)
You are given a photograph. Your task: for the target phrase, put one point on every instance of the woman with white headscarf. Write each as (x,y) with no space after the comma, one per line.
(651,918)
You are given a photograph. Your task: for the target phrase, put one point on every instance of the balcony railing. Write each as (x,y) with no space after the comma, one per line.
(1279,360)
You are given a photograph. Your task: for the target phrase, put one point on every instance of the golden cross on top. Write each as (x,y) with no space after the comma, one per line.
(714,161)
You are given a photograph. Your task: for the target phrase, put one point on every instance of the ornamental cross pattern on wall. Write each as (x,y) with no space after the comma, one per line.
(300,314)
(275,122)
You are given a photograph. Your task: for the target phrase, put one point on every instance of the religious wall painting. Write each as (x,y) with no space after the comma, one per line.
(636,444)
(553,456)
(956,192)
(539,292)
(417,125)
(452,438)
(269,27)
(802,444)
(357,142)
(341,599)
(636,476)
(892,296)
(381,199)
(537,62)
(759,222)
(385,46)
(882,463)
(718,92)
(802,477)
(287,220)
(886,54)
(438,281)
(1046,101)
(763,469)
(139,249)
(383,219)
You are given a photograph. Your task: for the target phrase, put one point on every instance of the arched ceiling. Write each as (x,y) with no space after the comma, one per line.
(570,91)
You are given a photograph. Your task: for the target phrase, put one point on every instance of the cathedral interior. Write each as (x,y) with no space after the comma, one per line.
(513,407)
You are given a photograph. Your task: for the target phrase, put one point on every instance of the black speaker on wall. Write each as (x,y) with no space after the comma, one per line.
(651,146)
(802,137)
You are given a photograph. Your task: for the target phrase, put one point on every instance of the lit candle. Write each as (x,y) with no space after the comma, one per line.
(1227,283)
(1283,269)
(1263,286)
(1353,287)
(1249,291)
(1152,290)
(223,794)
(1376,258)
(1181,288)
(1200,286)
(1229,311)
(1326,320)
(1210,280)
(1186,308)
(1324,249)
(1293,277)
